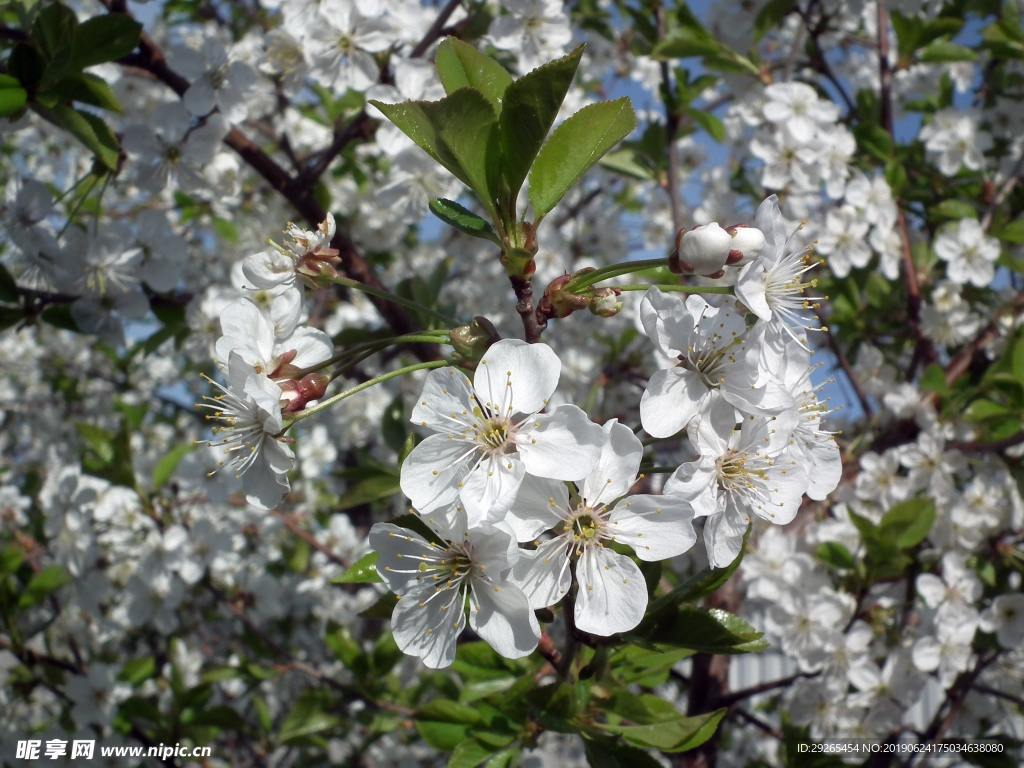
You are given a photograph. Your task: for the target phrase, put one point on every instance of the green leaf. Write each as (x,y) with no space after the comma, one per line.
(306,718)
(364,571)
(980,410)
(628,162)
(940,51)
(8,288)
(709,122)
(443,724)
(607,753)
(88,129)
(463,219)
(460,65)
(934,380)
(469,131)
(700,584)
(647,666)
(370,489)
(531,105)
(87,89)
(1012,232)
(137,670)
(11,558)
(43,584)
(457,132)
(169,462)
(771,15)
(835,555)
(53,33)
(677,735)
(908,523)
(954,209)
(573,149)
(469,754)
(707,630)
(59,316)
(105,38)
(12,96)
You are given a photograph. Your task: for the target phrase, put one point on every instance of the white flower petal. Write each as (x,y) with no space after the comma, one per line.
(400,552)
(613,594)
(563,444)
(543,574)
(428,625)
(501,615)
(617,468)
(671,399)
(516,377)
(489,490)
(446,403)
(538,506)
(723,536)
(431,474)
(656,527)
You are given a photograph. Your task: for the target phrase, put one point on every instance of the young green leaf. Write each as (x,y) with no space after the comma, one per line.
(88,129)
(464,220)
(460,65)
(530,107)
(457,131)
(105,38)
(364,571)
(12,96)
(573,149)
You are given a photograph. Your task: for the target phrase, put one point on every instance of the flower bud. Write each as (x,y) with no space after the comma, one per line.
(747,243)
(298,394)
(705,248)
(560,302)
(606,302)
(471,341)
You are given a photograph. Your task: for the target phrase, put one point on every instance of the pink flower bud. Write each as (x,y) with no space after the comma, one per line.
(705,248)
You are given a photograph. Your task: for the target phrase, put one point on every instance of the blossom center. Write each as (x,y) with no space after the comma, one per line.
(494,434)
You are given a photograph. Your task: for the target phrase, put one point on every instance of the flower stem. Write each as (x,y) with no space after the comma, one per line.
(615,270)
(367,348)
(386,296)
(722,289)
(324,405)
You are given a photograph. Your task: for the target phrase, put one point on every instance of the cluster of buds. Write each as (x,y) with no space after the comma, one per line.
(561,298)
(708,249)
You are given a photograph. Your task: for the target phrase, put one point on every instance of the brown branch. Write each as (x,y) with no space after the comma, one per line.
(1004,191)
(671,132)
(951,706)
(709,684)
(532,325)
(923,349)
(296,529)
(844,363)
(820,63)
(754,690)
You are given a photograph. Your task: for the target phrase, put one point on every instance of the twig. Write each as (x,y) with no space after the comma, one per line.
(754,690)
(297,530)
